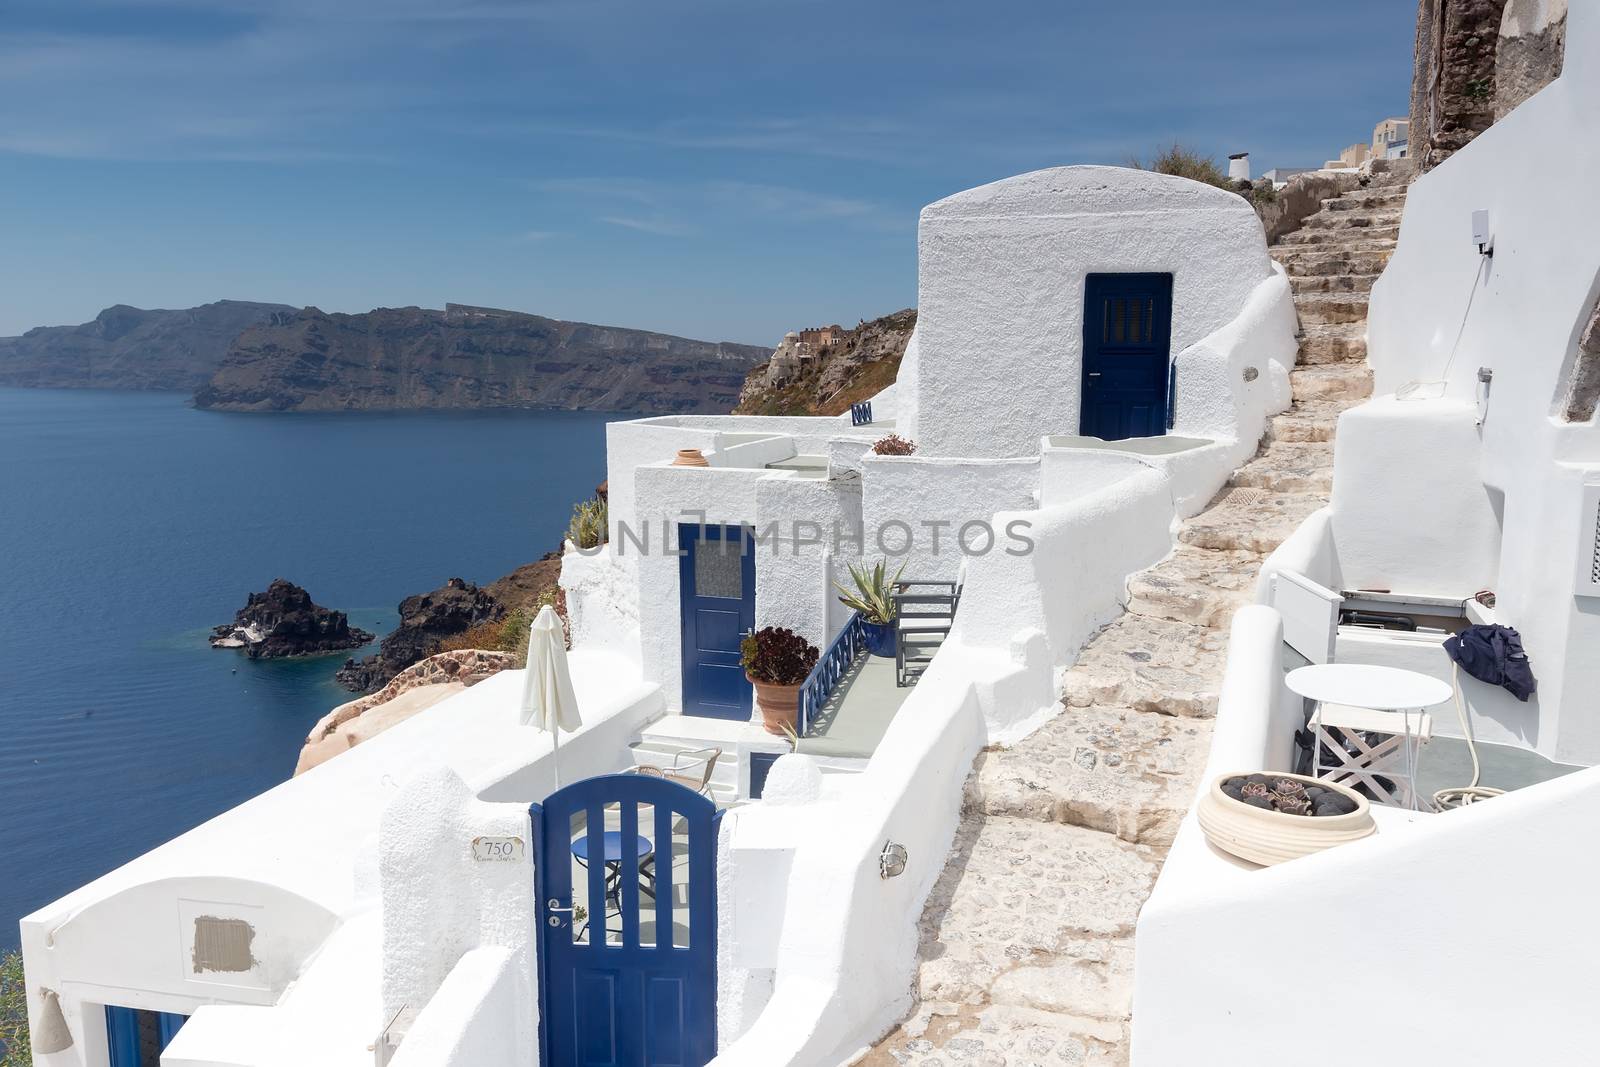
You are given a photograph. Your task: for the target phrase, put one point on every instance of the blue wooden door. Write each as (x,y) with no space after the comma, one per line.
(717,605)
(627,913)
(136,1038)
(1127,334)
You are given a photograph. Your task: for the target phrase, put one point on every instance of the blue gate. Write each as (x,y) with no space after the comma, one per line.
(1127,337)
(627,914)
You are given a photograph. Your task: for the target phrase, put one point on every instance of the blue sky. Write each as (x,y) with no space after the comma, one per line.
(723,169)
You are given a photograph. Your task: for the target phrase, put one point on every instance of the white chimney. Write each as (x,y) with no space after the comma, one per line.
(1239,167)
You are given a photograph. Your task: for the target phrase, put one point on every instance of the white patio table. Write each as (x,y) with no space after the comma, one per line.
(1361,698)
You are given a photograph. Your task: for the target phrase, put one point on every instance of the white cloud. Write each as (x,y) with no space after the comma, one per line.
(659,227)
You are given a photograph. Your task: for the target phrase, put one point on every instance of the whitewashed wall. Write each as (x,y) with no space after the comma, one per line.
(939,496)
(1441,312)
(1074,580)
(844,960)
(478,1018)
(1412,512)
(1001,272)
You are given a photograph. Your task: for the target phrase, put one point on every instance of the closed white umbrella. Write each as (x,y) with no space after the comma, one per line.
(547,697)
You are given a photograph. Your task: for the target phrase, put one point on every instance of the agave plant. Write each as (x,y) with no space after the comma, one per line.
(874,593)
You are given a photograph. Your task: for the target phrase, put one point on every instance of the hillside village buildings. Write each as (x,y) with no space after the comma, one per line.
(1125,412)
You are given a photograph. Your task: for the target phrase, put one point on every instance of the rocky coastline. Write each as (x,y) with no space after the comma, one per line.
(456,614)
(284,621)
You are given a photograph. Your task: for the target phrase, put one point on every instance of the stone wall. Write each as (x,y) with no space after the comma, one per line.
(1530,52)
(1475,60)
(1299,200)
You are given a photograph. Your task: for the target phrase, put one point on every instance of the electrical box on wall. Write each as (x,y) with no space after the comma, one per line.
(1480,230)
(1588,577)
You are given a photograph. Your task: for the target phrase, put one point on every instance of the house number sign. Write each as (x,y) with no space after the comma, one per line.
(497,848)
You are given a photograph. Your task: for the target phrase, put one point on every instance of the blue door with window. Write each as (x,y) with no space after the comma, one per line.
(136,1038)
(625,866)
(717,605)
(1127,334)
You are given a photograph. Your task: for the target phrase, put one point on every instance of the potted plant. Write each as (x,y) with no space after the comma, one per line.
(776,661)
(1268,818)
(894,445)
(874,599)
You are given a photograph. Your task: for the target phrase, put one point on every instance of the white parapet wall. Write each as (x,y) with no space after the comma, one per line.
(478,1018)
(1072,580)
(829,945)
(1461,938)
(1497,330)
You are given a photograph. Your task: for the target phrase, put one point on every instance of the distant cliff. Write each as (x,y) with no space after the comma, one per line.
(129,348)
(799,380)
(467,357)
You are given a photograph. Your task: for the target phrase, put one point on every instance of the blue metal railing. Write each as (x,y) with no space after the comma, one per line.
(861,413)
(831,665)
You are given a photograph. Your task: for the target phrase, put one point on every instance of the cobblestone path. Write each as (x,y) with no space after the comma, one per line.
(1027,938)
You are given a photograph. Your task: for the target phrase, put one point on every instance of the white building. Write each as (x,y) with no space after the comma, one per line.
(1097,349)
(1462,937)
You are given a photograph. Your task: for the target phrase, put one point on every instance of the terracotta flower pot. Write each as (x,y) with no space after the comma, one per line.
(1269,837)
(690,457)
(778,704)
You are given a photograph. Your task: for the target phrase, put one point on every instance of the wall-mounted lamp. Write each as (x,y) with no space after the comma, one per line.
(52,1033)
(1485,380)
(892,860)
(1480,232)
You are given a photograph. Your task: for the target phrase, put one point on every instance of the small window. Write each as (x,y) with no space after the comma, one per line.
(1128,320)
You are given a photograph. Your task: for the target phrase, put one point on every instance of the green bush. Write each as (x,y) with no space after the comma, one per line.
(589,522)
(14,1048)
(1186,163)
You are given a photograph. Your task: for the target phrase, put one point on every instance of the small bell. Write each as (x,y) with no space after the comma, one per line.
(51,1035)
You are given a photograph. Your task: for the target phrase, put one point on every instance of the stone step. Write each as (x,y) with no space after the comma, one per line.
(1020,889)
(1349,382)
(1342,342)
(1329,309)
(1195,585)
(1332,283)
(1312,261)
(1366,239)
(1304,467)
(1248,519)
(1149,664)
(1381,197)
(1313,420)
(944,1035)
(1115,770)
(1354,219)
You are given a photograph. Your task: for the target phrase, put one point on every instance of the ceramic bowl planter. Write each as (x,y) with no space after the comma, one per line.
(1266,836)
(690,457)
(879,638)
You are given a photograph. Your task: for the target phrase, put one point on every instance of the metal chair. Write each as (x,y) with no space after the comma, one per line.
(922,620)
(683,769)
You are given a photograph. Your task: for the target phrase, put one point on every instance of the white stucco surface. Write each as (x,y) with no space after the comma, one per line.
(1439,314)
(301,861)
(1000,277)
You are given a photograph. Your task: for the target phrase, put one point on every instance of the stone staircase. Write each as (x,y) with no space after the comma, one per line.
(1027,937)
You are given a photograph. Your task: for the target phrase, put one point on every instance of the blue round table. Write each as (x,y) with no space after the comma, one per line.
(611,845)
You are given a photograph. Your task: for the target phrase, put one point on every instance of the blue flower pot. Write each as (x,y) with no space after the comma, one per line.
(880,638)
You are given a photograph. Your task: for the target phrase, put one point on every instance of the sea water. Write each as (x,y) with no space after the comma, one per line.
(130,524)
